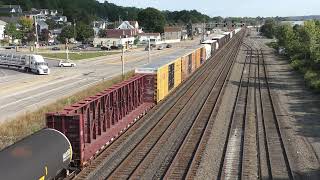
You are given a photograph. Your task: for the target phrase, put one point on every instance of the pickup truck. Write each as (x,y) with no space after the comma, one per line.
(66,64)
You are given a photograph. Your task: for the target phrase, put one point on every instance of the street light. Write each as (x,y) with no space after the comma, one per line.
(36,27)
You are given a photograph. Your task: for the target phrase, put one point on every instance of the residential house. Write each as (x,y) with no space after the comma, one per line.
(41,25)
(55,33)
(2,26)
(13,20)
(172,33)
(97,26)
(133,25)
(60,19)
(155,38)
(197,28)
(10,9)
(53,12)
(117,33)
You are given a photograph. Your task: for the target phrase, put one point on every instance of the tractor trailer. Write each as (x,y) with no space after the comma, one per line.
(28,62)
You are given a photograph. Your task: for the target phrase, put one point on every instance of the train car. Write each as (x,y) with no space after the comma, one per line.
(172,69)
(237,30)
(187,65)
(213,45)
(233,33)
(45,154)
(96,121)
(167,72)
(227,36)
(220,39)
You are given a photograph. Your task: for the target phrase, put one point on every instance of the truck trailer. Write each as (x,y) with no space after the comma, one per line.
(28,62)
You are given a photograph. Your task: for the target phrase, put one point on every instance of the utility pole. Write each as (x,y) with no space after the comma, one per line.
(36,27)
(122,58)
(203,31)
(74,29)
(149,51)
(67,49)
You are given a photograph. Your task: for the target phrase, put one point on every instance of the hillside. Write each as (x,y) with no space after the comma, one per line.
(88,10)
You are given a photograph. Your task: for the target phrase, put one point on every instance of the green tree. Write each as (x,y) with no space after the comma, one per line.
(84,32)
(11,30)
(312,29)
(26,24)
(52,24)
(268,29)
(66,33)
(44,35)
(152,20)
(102,33)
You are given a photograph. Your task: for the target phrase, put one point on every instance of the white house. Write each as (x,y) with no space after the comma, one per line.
(97,26)
(155,38)
(134,25)
(2,25)
(60,19)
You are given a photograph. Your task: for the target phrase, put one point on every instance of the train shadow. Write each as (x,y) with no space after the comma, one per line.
(310,175)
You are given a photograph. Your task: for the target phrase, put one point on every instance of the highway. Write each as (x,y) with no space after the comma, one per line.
(23,92)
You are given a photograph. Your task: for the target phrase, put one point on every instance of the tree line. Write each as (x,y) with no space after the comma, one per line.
(301,44)
(88,10)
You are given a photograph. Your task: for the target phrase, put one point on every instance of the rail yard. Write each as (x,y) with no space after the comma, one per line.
(198,111)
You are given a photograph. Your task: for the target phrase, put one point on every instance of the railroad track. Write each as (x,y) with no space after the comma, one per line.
(254,147)
(155,146)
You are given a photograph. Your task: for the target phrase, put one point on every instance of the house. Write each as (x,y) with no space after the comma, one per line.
(100,24)
(133,25)
(97,26)
(55,32)
(117,33)
(53,12)
(10,9)
(60,19)
(172,33)
(2,26)
(126,42)
(155,38)
(44,11)
(41,25)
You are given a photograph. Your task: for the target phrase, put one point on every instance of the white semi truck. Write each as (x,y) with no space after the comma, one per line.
(28,62)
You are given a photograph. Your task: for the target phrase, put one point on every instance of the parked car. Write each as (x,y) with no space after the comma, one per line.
(83,46)
(55,49)
(169,46)
(107,48)
(75,48)
(66,64)
(160,47)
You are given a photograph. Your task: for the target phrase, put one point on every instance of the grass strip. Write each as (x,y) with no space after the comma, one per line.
(77,55)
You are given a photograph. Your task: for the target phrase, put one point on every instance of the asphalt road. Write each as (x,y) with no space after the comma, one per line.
(22,92)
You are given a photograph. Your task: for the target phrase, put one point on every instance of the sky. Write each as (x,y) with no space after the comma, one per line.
(231,8)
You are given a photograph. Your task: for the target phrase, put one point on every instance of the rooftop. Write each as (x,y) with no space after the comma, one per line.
(167,59)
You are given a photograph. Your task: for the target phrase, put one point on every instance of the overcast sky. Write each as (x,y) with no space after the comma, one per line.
(232,7)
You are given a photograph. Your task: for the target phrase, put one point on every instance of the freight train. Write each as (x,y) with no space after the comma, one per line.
(81,131)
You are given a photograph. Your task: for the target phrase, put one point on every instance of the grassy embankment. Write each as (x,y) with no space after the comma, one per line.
(310,72)
(30,122)
(77,55)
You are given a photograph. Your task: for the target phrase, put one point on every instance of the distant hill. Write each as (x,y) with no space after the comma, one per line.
(88,10)
(303,18)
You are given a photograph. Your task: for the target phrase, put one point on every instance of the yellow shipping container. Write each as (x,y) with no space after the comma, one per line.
(177,72)
(197,54)
(162,82)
